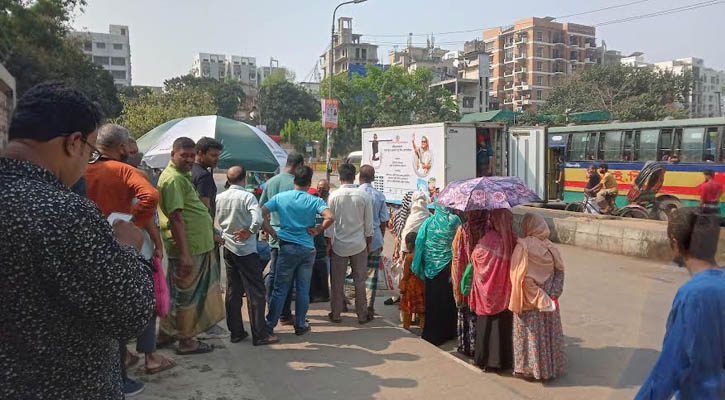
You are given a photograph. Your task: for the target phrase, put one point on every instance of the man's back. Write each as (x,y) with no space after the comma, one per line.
(353,220)
(710,191)
(238,209)
(277,184)
(68,292)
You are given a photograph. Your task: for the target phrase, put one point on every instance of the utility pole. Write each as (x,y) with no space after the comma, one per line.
(330,75)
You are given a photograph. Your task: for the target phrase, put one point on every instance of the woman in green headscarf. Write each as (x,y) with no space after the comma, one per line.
(432,263)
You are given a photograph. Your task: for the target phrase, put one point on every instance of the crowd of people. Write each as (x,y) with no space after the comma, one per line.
(84,232)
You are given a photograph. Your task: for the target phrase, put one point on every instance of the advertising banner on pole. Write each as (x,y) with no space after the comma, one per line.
(329,113)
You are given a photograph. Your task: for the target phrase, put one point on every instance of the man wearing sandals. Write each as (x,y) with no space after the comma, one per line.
(186,227)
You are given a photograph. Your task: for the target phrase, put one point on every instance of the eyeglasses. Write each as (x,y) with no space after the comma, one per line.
(95,153)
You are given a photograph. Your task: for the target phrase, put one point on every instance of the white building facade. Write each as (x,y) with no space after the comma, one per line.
(111,50)
(705,94)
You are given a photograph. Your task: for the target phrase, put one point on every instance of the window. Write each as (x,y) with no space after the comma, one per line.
(692,145)
(88,46)
(611,146)
(722,146)
(118,74)
(574,55)
(100,45)
(123,31)
(539,52)
(98,60)
(648,145)
(540,36)
(357,52)
(118,61)
(468,102)
(710,149)
(118,46)
(538,95)
(582,146)
(629,152)
(539,66)
(540,80)
(364,54)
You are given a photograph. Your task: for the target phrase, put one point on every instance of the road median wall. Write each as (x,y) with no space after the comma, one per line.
(626,236)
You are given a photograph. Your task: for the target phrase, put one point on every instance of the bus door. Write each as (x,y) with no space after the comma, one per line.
(527,157)
(556,149)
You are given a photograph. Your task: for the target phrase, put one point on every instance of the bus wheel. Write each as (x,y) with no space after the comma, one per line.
(666,206)
(635,213)
(575,207)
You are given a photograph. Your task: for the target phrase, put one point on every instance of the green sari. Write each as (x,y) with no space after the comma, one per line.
(433,244)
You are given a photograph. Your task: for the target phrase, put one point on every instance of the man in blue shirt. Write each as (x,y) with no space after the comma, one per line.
(380,219)
(297,210)
(692,362)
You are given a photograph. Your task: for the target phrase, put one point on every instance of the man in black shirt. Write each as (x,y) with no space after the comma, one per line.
(207,157)
(594,179)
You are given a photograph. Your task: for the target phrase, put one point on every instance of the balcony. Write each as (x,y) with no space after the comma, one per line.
(508,100)
(589,60)
(508,44)
(508,60)
(520,56)
(520,70)
(493,92)
(508,73)
(521,40)
(588,45)
(523,87)
(508,86)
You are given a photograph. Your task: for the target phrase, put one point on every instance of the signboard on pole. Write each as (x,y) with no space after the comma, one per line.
(329,113)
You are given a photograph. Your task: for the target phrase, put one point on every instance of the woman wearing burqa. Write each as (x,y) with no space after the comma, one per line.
(490,292)
(432,262)
(537,278)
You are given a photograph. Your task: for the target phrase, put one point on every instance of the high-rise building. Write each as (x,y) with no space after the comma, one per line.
(529,57)
(221,66)
(430,57)
(111,50)
(348,50)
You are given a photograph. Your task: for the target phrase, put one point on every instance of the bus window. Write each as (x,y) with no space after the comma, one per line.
(722,146)
(692,145)
(629,152)
(664,150)
(710,150)
(592,146)
(648,140)
(677,142)
(578,147)
(612,148)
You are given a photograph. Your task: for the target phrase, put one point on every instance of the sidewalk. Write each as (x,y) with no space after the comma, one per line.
(614,310)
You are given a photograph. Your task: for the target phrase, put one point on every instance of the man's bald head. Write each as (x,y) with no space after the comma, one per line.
(236,175)
(322,183)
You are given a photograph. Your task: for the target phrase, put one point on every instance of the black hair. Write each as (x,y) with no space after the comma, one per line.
(346,172)
(183,143)
(696,234)
(367,173)
(206,143)
(53,109)
(295,160)
(709,172)
(410,239)
(303,176)
(594,165)
(604,165)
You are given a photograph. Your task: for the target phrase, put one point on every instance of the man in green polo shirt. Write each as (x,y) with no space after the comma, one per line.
(186,227)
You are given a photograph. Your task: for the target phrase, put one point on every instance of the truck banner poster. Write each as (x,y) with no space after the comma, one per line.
(408,159)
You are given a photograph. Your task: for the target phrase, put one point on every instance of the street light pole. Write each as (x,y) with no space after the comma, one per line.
(330,75)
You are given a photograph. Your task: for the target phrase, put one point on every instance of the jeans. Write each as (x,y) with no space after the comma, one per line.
(269,285)
(320,286)
(294,265)
(244,275)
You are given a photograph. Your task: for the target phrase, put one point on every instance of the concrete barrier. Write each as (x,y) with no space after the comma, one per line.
(626,236)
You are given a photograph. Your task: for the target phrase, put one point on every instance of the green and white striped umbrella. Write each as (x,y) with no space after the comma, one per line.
(243,144)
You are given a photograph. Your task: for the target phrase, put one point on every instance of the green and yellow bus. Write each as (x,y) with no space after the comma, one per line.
(687,146)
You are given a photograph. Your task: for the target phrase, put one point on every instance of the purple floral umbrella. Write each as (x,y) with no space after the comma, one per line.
(486,193)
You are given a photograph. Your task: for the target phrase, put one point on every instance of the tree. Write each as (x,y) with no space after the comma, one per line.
(228,94)
(35,47)
(386,98)
(303,132)
(628,93)
(280,101)
(149,109)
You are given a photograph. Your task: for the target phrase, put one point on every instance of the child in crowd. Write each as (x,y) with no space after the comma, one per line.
(412,288)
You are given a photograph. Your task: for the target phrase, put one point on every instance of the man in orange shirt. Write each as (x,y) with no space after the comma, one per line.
(116,186)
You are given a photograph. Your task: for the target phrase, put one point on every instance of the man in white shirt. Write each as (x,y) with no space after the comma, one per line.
(380,221)
(239,218)
(349,240)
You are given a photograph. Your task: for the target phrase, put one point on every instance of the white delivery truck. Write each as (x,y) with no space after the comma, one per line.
(429,156)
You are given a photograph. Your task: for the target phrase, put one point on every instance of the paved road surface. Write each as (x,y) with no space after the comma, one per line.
(613,309)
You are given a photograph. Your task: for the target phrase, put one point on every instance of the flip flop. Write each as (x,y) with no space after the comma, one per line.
(166,365)
(201,348)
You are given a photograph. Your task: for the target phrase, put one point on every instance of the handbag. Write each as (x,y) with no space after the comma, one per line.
(161,288)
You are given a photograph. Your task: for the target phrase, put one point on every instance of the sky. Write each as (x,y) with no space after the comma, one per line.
(165,34)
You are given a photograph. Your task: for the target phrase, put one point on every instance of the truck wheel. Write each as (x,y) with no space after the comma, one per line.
(574,207)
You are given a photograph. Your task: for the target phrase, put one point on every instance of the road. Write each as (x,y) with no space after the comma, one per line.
(614,310)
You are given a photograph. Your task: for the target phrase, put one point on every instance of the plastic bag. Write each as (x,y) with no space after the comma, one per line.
(161,289)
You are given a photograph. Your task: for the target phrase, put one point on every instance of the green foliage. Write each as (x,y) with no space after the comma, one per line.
(303,132)
(386,98)
(148,109)
(35,47)
(228,94)
(628,93)
(527,118)
(280,101)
